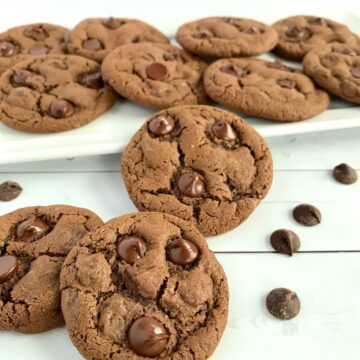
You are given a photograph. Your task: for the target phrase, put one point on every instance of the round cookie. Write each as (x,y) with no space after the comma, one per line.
(264,89)
(144,285)
(45,94)
(155,75)
(226,37)
(18,43)
(33,244)
(300,34)
(336,69)
(199,163)
(94,38)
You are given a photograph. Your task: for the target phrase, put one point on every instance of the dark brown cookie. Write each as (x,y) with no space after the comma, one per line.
(336,69)
(345,174)
(144,285)
(33,244)
(155,75)
(264,89)
(300,34)
(226,37)
(18,43)
(94,38)
(199,163)
(283,303)
(53,93)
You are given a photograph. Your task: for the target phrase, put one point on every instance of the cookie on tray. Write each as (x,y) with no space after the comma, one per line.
(18,43)
(94,38)
(199,163)
(144,285)
(226,37)
(33,244)
(264,89)
(155,75)
(53,93)
(300,34)
(336,69)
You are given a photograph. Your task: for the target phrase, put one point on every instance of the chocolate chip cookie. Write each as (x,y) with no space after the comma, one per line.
(94,38)
(144,285)
(336,69)
(18,43)
(155,75)
(33,244)
(264,89)
(300,34)
(199,163)
(53,93)
(226,37)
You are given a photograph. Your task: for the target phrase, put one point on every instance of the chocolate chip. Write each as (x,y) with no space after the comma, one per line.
(346,50)
(318,21)
(139,39)
(8,267)
(298,33)
(345,174)
(131,249)
(37,32)
(286,84)
(355,72)
(277,64)
(161,125)
(31,229)
(148,337)
(62,109)
(39,50)
(157,71)
(92,44)
(234,70)
(223,131)
(182,252)
(202,34)
(7,49)
(191,184)
(252,30)
(283,303)
(21,77)
(285,241)
(112,23)
(307,215)
(9,190)
(92,81)
(172,56)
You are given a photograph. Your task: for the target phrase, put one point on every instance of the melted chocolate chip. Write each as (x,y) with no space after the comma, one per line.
(9,190)
(92,44)
(172,56)
(234,70)
(37,33)
(345,174)
(139,39)
(21,77)
(318,21)
(283,303)
(7,49)
(252,30)
(92,81)
(112,23)
(298,33)
(191,184)
(355,72)
(223,131)
(131,249)
(346,50)
(307,215)
(157,71)
(31,229)
(161,125)
(8,267)
(62,109)
(202,34)
(182,252)
(39,50)
(286,84)
(285,241)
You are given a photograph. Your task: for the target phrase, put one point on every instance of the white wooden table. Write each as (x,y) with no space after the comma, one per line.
(325,273)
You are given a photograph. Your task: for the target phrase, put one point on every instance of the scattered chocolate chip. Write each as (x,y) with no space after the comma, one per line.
(346,50)
(92,81)
(148,337)
(202,34)
(39,50)
(161,125)
(298,33)
(234,70)
(62,109)
(131,249)
(252,30)
(21,77)
(8,267)
(92,44)
(157,71)
(37,33)
(355,72)
(345,174)
(182,252)
(172,56)
(285,241)
(9,190)
(191,184)
(31,229)
(318,21)
(286,84)
(223,131)
(112,23)
(283,303)
(7,49)
(307,215)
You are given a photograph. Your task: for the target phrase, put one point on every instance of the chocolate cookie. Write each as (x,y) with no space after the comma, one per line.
(94,38)
(199,163)
(155,75)
(264,89)
(18,43)
(144,285)
(300,34)
(336,69)
(226,37)
(33,244)
(53,93)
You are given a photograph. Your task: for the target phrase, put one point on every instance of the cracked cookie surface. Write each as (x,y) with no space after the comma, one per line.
(264,89)
(33,244)
(336,69)
(300,34)
(18,43)
(144,285)
(53,93)
(94,38)
(155,75)
(199,163)
(226,37)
